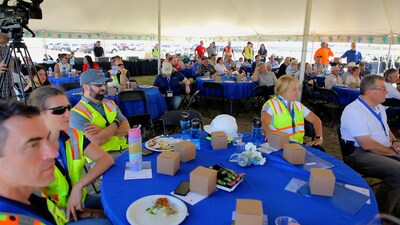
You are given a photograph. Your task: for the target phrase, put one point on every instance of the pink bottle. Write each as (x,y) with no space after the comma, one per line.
(135,148)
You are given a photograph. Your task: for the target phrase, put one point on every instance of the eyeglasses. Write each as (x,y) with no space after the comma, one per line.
(98,84)
(379,89)
(60,109)
(121,64)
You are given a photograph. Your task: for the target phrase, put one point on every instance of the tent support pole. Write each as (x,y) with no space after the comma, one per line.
(159,38)
(388,55)
(306,32)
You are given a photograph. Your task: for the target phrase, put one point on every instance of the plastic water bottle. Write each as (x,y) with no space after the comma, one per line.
(256,131)
(195,132)
(50,71)
(135,148)
(185,126)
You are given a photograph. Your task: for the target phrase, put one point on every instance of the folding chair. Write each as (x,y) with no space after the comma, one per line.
(331,103)
(263,93)
(213,92)
(347,148)
(135,107)
(171,119)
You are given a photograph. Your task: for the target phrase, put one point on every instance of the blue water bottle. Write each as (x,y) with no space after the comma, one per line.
(185,126)
(195,132)
(256,131)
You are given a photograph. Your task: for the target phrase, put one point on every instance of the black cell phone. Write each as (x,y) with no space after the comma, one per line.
(183,188)
(146,152)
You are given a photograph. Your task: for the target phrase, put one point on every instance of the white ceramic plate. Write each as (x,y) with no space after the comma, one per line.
(136,213)
(145,86)
(205,78)
(161,144)
(229,81)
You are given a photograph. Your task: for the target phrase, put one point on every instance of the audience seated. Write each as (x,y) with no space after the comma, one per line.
(333,79)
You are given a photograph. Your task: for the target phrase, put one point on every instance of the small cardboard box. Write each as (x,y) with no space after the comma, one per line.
(294,153)
(168,163)
(249,212)
(239,78)
(219,140)
(203,181)
(278,139)
(217,78)
(112,91)
(322,182)
(187,150)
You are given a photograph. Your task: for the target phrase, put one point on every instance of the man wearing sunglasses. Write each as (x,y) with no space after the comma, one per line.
(99,118)
(122,74)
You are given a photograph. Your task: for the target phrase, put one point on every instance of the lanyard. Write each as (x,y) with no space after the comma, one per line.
(291,113)
(62,157)
(377,116)
(169,83)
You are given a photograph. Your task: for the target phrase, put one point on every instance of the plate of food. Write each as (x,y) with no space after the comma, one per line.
(146,86)
(157,209)
(227,179)
(161,143)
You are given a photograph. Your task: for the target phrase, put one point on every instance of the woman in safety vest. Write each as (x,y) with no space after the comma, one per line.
(285,114)
(68,188)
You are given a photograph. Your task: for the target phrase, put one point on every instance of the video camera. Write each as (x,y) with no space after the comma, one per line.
(16,17)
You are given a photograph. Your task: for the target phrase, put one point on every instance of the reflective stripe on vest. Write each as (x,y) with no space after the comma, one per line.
(91,114)
(58,190)
(282,120)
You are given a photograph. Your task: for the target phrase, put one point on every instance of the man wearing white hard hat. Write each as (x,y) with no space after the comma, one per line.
(224,123)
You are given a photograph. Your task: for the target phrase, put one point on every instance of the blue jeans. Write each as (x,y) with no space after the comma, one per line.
(174,102)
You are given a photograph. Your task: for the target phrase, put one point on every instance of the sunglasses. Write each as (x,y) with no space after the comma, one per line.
(60,109)
(98,84)
(120,64)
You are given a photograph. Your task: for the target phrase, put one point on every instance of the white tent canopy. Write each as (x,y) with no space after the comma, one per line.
(339,20)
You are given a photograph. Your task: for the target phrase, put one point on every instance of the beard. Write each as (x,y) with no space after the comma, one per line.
(96,95)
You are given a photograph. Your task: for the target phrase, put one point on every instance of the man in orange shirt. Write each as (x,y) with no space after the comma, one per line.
(325,52)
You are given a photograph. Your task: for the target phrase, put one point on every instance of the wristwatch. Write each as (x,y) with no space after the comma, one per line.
(117,122)
(318,138)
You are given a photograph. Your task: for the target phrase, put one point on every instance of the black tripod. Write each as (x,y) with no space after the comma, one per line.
(18,48)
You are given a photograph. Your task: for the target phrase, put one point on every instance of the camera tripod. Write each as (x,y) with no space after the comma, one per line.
(18,48)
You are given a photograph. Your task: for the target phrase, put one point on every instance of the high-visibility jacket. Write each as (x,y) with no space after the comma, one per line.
(116,78)
(91,114)
(283,121)
(155,52)
(61,187)
(248,53)
(11,214)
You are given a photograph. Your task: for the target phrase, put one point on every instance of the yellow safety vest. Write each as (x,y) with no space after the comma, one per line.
(115,77)
(18,216)
(248,53)
(282,119)
(155,52)
(91,114)
(59,190)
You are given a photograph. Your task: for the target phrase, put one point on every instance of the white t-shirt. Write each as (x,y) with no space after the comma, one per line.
(392,91)
(358,121)
(220,68)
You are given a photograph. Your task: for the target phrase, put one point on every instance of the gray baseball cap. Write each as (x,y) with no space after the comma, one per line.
(93,76)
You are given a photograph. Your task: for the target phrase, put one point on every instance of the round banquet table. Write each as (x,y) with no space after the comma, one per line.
(65,79)
(265,183)
(235,90)
(157,103)
(346,95)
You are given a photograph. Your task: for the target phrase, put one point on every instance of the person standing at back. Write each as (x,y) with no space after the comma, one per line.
(200,50)
(98,50)
(352,55)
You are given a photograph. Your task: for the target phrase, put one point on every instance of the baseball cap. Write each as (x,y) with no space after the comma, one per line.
(93,76)
(166,68)
(204,58)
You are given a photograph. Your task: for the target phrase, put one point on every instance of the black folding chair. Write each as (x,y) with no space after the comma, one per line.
(263,93)
(171,119)
(347,148)
(135,107)
(214,92)
(331,104)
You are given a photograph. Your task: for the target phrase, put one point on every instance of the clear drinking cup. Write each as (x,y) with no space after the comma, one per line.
(237,138)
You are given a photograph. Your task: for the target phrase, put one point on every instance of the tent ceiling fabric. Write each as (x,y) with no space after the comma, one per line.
(220,18)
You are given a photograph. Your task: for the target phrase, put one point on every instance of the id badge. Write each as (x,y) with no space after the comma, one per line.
(170,94)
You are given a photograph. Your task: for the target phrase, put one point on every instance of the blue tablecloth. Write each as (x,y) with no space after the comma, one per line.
(265,183)
(61,80)
(235,90)
(346,94)
(156,101)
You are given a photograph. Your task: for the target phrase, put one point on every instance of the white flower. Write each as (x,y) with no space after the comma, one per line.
(250,147)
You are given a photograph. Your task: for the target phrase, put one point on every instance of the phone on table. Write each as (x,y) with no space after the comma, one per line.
(183,188)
